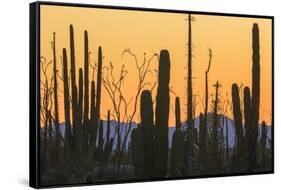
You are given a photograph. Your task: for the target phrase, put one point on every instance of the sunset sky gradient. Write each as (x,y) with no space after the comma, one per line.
(230,39)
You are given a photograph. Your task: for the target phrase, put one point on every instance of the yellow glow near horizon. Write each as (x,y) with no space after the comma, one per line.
(230,39)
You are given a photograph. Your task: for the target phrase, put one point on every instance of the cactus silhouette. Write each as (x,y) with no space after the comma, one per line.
(137,153)
(100,141)
(189,74)
(226,142)
(80,129)
(98,96)
(238,127)
(162,114)
(252,158)
(177,151)
(73,78)
(87,153)
(247,117)
(90,128)
(66,98)
(178,113)
(86,79)
(56,111)
(190,141)
(147,114)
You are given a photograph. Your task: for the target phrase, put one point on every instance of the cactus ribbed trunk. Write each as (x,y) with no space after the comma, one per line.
(90,128)
(162,114)
(56,109)
(177,151)
(147,114)
(86,80)
(50,124)
(66,98)
(137,153)
(189,75)
(238,127)
(80,128)
(73,79)
(190,141)
(100,141)
(98,97)
(252,158)
(178,113)
(247,117)
(226,140)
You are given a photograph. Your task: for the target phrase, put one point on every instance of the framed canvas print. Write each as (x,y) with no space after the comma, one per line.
(121,94)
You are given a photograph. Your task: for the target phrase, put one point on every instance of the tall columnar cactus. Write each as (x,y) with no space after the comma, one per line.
(189,74)
(90,128)
(247,117)
(238,126)
(56,109)
(73,78)
(190,141)
(79,129)
(162,114)
(98,96)
(226,140)
(138,153)
(66,98)
(86,79)
(100,141)
(177,151)
(178,113)
(252,158)
(147,114)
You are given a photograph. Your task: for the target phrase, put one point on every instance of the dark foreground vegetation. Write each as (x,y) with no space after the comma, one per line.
(87,152)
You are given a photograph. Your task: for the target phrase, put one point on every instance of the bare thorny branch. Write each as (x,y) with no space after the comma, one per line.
(114,86)
(47,89)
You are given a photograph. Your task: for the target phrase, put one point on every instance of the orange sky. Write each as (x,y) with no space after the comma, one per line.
(115,30)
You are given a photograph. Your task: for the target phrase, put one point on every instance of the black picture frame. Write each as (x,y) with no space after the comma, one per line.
(34,89)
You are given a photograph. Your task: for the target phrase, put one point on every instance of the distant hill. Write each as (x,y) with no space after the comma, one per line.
(123,128)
